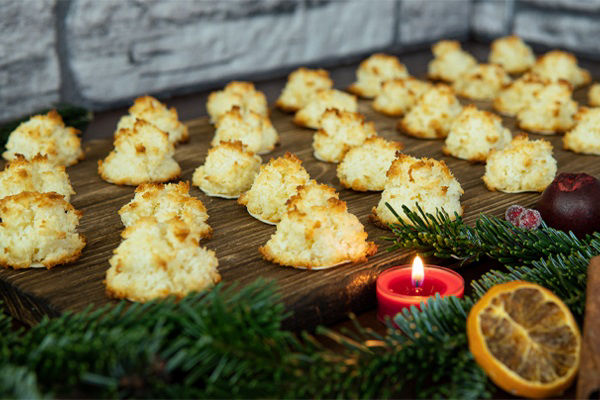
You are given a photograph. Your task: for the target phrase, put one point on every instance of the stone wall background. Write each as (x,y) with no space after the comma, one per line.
(101,54)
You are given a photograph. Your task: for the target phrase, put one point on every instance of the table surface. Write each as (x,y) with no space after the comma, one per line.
(191,106)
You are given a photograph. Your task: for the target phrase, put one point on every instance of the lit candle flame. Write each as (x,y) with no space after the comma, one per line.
(418,272)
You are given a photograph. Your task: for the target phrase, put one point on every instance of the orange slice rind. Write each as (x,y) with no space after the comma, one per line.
(525,339)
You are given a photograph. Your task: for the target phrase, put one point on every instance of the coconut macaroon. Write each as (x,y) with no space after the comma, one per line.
(398,96)
(36,175)
(474,133)
(450,61)
(318,238)
(310,115)
(241,94)
(516,95)
(165,202)
(340,131)
(512,53)
(158,259)
(301,85)
(556,65)
(46,135)
(141,154)
(375,70)
(273,186)
(523,166)
(150,109)
(228,171)
(255,131)
(38,230)
(433,114)
(311,194)
(425,181)
(364,167)
(594,95)
(550,110)
(481,82)
(585,136)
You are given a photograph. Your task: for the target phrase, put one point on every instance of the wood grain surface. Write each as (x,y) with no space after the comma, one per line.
(312,296)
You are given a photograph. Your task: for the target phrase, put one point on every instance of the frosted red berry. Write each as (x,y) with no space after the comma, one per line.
(529,219)
(512,214)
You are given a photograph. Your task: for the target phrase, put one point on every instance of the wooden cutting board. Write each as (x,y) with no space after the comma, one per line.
(312,296)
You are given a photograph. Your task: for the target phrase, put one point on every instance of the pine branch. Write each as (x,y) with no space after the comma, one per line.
(443,237)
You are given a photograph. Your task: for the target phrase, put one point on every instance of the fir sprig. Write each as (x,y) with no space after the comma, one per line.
(446,237)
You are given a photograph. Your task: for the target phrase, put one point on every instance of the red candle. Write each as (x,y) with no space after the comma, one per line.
(406,285)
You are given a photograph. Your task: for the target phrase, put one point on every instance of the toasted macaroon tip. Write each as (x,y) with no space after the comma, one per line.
(302,84)
(559,65)
(310,115)
(48,221)
(364,167)
(140,155)
(523,166)
(48,136)
(228,170)
(255,131)
(512,53)
(375,70)
(35,175)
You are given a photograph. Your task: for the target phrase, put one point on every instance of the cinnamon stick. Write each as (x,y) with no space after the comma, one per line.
(588,384)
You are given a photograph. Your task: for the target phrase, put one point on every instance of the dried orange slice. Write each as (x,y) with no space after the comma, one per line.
(525,339)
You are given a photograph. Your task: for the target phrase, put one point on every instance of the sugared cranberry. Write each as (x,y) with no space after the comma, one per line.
(512,213)
(529,219)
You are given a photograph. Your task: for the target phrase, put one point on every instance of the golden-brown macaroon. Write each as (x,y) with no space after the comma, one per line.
(364,167)
(322,237)
(411,180)
(165,202)
(433,114)
(450,61)
(166,119)
(241,94)
(474,133)
(252,129)
(398,96)
(523,166)
(142,154)
(273,186)
(594,95)
(556,65)
(512,53)
(158,259)
(585,136)
(228,171)
(481,82)
(46,135)
(311,194)
(35,175)
(340,131)
(375,70)
(301,85)
(516,95)
(550,110)
(38,230)
(310,115)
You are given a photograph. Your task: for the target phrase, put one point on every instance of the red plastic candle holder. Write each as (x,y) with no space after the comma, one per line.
(395,289)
